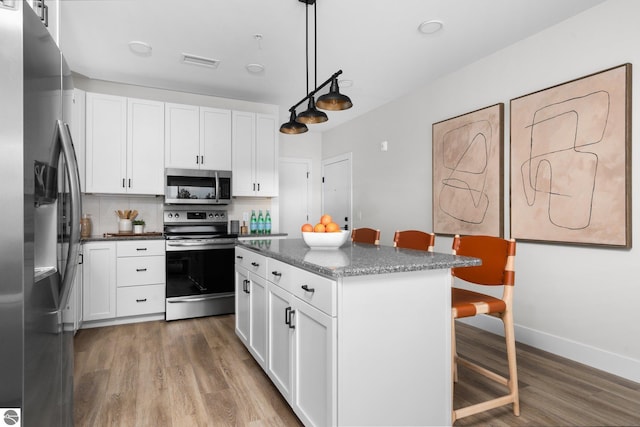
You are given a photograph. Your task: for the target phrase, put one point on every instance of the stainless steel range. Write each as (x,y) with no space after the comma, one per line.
(200,262)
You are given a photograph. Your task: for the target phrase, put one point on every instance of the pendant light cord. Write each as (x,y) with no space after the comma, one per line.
(307,43)
(315,47)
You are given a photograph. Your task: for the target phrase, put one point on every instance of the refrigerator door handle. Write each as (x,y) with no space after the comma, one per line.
(66,142)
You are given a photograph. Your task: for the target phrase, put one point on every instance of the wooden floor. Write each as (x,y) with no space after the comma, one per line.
(197,373)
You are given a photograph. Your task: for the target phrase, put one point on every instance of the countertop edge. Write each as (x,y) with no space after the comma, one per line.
(351,271)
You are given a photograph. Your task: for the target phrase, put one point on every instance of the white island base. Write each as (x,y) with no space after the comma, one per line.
(355,345)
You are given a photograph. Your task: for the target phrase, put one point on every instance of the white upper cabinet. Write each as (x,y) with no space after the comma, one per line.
(124,141)
(254,154)
(197,137)
(145,143)
(215,139)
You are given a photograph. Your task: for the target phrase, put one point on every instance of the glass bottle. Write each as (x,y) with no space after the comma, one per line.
(267,223)
(260,222)
(253,223)
(85,226)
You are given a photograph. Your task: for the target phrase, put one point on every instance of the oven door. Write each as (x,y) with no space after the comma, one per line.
(200,279)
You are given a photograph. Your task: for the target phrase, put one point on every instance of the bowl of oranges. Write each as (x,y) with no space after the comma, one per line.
(326,234)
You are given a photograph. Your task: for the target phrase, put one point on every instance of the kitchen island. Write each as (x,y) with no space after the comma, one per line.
(353,336)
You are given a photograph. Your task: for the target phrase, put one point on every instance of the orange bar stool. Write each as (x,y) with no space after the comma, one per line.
(365,235)
(414,239)
(497,269)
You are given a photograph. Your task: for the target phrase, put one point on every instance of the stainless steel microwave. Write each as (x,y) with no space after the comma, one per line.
(197,187)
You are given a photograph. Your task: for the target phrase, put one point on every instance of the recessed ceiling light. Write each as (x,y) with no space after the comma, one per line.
(140,48)
(187,58)
(255,68)
(430,27)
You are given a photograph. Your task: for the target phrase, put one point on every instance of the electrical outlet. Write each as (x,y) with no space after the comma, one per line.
(384,145)
(245,216)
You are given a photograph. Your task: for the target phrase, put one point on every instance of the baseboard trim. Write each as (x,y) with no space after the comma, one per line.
(603,360)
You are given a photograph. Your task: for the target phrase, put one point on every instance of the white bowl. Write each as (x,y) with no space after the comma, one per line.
(325,240)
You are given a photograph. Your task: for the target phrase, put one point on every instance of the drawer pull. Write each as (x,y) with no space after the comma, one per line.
(141,269)
(276,273)
(141,249)
(308,289)
(141,300)
(255,264)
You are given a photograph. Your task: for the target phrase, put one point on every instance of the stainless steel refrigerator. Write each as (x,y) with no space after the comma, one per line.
(39,229)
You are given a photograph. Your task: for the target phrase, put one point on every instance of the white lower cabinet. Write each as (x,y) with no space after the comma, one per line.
(251,304)
(300,339)
(121,280)
(99,281)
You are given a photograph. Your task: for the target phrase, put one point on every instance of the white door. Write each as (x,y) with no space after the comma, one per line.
(295,195)
(242,304)
(145,146)
(182,136)
(280,339)
(258,319)
(336,189)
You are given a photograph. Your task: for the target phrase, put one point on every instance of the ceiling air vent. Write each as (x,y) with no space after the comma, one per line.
(187,58)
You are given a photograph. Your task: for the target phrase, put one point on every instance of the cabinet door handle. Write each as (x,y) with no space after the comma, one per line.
(291,313)
(276,273)
(255,264)
(287,316)
(141,300)
(308,289)
(245,286)
(123,180)
(197,160)
(141,269)
(258,186)
(239,257)
(129,182)
(254,186)
(202,160)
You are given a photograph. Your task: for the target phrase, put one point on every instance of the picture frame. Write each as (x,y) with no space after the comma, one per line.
(570,179)
(468,182)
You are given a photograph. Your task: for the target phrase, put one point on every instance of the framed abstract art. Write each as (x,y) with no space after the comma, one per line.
(571,161)
(468,173)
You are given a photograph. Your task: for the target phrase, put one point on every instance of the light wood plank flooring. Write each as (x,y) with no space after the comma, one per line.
(197,373)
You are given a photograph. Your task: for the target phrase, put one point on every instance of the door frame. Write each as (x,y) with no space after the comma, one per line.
(335,159)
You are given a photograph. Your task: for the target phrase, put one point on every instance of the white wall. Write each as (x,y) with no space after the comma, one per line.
(579,302)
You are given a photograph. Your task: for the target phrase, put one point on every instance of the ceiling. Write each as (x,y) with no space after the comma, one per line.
(375,42)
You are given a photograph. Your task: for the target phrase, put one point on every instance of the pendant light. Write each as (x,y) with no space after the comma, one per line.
(333,100)
(292,127)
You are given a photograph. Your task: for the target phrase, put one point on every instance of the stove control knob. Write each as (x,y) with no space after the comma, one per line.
(170,215)
(210,215)
(217,216)
(177,215)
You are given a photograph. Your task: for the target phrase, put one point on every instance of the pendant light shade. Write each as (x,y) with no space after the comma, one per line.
(334,100)
(293,127)
(312,115)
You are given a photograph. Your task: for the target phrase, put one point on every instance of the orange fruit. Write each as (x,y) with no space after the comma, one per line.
(319,228)
(307,227)
(325,219)
(332,227)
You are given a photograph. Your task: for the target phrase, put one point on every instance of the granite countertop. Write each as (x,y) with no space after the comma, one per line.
(114,236)
(355,259)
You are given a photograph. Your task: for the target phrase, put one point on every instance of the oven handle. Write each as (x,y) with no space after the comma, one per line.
(197,299)
(195,246)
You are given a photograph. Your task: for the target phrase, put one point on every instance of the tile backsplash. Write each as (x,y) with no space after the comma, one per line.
(103,207)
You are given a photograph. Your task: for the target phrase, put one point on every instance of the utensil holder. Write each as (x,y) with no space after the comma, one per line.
(125,226)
